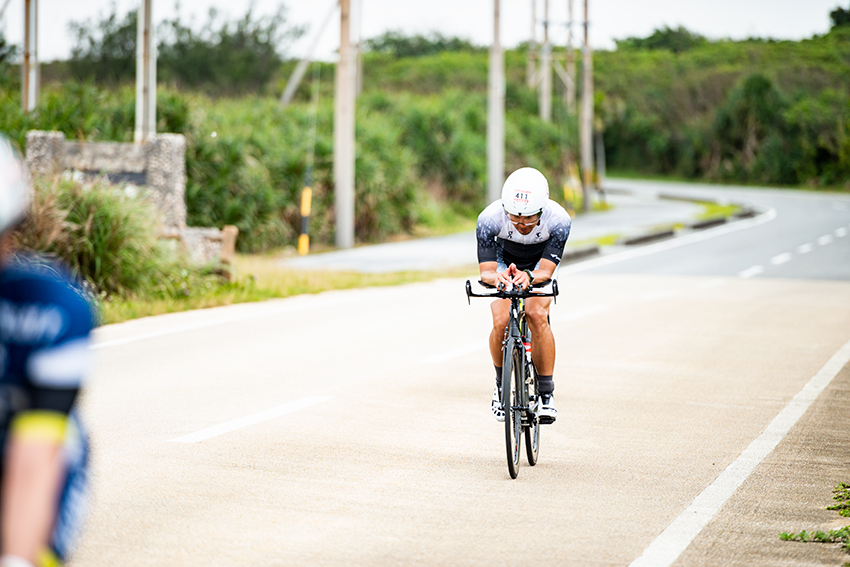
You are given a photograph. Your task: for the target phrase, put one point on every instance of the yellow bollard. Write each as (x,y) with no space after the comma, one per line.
(304,237)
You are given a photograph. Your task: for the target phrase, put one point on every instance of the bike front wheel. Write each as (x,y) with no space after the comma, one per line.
(512,402)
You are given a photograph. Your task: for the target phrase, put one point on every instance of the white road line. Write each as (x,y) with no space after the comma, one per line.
(456,352)
(825,239)
(839,232)
(750,272)
(670,544)
(252,419)
(669,244)
(805,248)
(780,259)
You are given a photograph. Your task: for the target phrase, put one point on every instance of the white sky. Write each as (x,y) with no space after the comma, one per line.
(470,19)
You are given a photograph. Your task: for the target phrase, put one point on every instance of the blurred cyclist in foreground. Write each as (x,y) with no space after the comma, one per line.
(45,323)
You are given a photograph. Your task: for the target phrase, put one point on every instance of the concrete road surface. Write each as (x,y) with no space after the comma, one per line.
(700,415)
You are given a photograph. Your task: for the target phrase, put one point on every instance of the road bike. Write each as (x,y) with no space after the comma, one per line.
(520,394)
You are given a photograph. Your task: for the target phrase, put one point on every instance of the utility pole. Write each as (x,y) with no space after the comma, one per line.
(29,66)
(571,63)
(145,74)
(546,69)
(586,133)
(344,100)
(496,114)
(531,70)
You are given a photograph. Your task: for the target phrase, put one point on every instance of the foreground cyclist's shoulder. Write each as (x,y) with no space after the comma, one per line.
(39,281)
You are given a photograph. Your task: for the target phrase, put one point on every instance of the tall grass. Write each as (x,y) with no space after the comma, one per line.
(105,236)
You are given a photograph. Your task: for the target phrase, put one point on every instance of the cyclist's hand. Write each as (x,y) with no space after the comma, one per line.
(522,281)
(503,279)
(519,278)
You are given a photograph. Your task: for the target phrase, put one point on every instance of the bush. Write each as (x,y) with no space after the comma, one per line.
(108,238)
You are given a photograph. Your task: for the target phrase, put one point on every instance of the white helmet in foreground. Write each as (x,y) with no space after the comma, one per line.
(525,192)
(14,186)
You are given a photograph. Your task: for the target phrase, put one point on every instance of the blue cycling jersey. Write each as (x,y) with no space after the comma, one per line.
(45,327)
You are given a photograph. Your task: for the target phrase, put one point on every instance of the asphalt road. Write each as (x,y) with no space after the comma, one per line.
(703,409)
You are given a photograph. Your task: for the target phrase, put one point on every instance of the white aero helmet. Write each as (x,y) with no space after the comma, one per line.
(525,192)
(15,191)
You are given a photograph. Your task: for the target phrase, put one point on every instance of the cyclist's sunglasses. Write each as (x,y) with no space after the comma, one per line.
(517,220)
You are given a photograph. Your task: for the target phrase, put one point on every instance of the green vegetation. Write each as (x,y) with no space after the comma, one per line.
(756,111)
(674,103)
(671,104)
(717,210)
(224,57)
(109,239)
(675,40)
(398,45)
(260,277)
(842,535)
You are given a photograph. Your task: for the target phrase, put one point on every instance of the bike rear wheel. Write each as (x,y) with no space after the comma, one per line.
(512,402)
(532,429)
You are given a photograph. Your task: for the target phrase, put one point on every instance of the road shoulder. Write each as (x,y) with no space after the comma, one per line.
(788,492)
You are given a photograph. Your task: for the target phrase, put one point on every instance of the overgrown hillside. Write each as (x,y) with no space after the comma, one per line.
(752,111)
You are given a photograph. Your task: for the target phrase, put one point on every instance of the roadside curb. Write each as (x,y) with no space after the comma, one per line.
(580,253)
(745,212)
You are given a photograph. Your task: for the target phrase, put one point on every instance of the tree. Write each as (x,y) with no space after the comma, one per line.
(106,50)
(225,56)
(675,40)
(7,52)
(840,17)
(398,45)
(235,56)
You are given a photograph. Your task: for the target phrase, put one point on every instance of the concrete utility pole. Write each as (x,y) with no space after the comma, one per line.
(344,100)
(145,74)
(571,63)
(531,71)
(586,133)
(546,69)
(496,114)
(29,66)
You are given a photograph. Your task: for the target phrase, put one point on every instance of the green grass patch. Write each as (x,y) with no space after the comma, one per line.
(261,277)
(717,210)
(841,494)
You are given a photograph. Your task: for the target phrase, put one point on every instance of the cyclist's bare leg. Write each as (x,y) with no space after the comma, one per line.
(542,339)
(501,314)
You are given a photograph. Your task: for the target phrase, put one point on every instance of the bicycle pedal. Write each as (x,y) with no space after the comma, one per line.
(546,420)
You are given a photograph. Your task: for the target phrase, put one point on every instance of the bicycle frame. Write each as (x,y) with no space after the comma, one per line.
(520,414)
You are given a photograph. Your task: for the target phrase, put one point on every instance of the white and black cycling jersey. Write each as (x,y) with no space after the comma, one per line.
(500,241)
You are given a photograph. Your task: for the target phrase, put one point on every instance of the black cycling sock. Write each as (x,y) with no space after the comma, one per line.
(545,384)
(498,376)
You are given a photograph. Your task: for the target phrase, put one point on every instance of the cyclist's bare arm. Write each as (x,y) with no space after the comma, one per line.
(491,275)
(30,489)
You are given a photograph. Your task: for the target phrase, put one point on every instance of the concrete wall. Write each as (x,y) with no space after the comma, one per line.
(157,167)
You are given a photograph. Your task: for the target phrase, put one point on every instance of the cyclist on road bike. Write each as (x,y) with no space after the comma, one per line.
(45,323)
(521,239)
